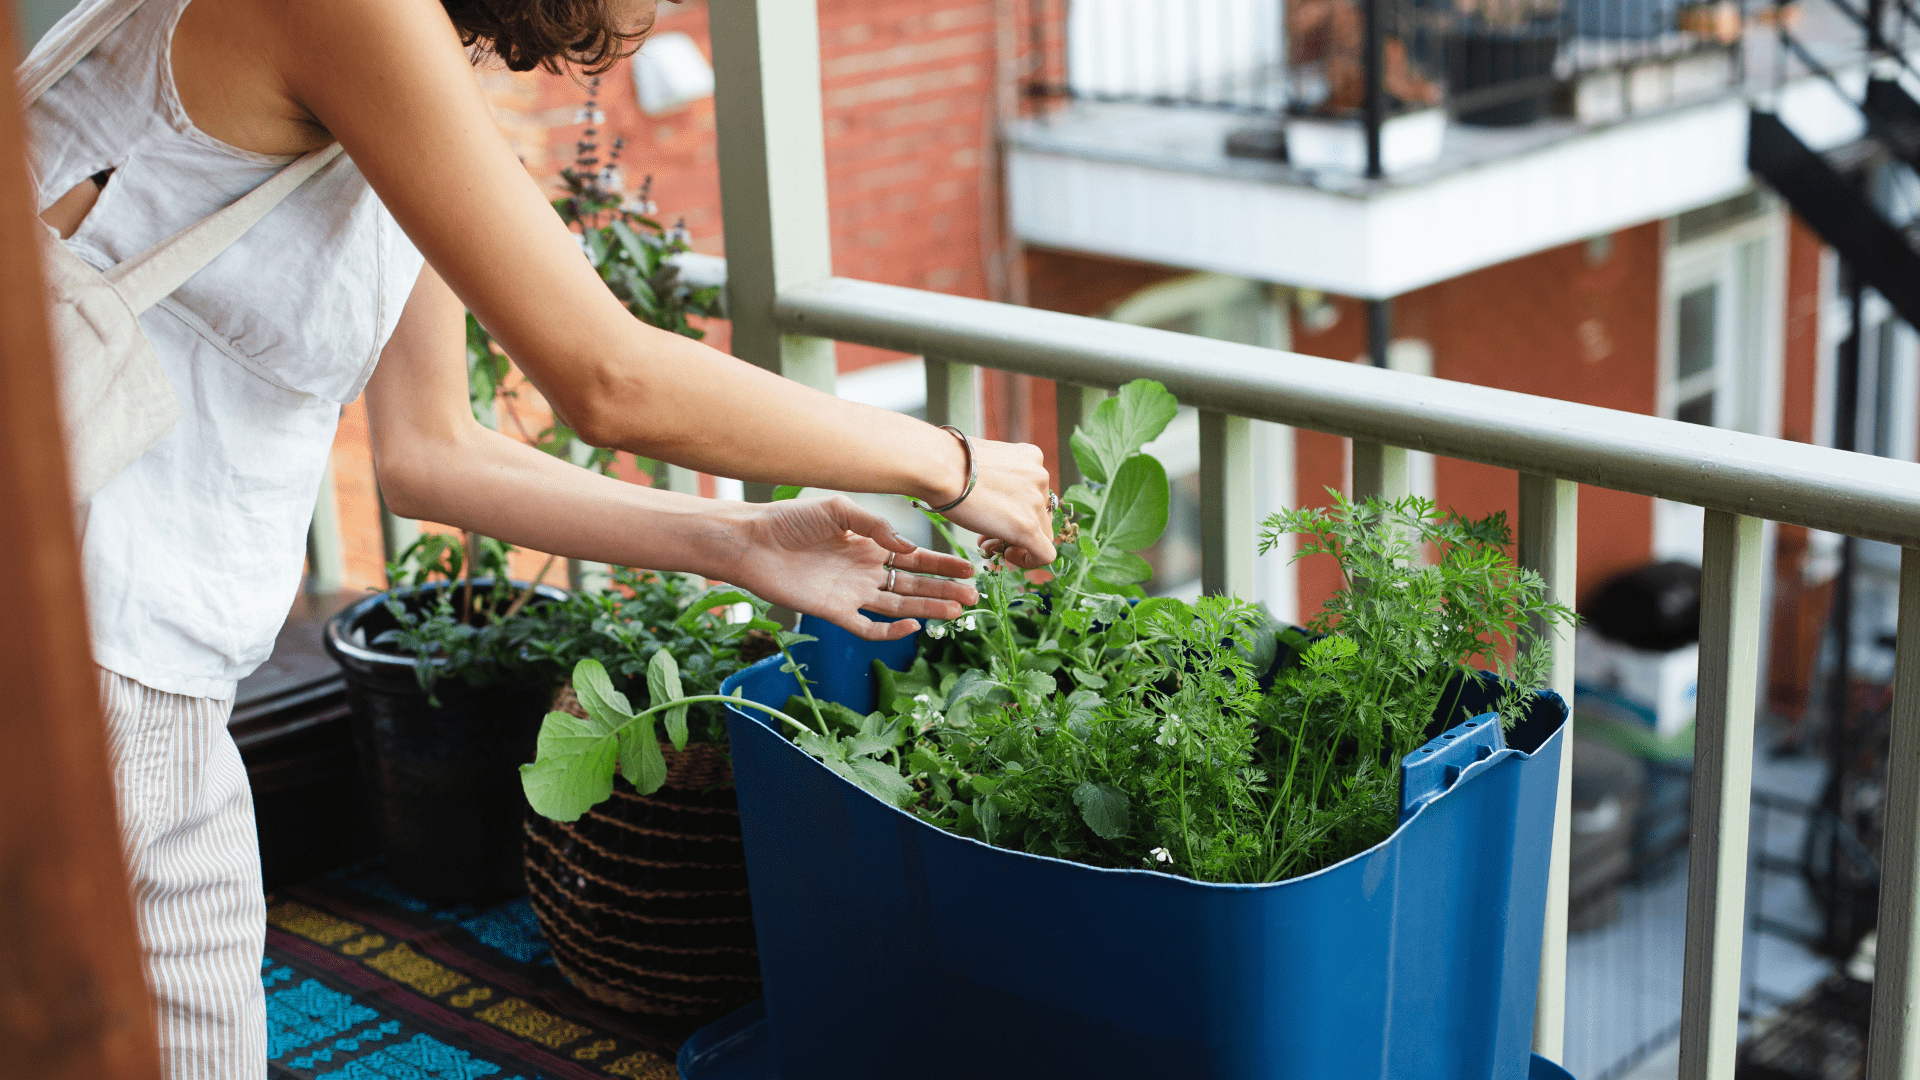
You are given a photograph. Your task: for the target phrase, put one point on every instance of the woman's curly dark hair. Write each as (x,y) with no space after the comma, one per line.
(526,34)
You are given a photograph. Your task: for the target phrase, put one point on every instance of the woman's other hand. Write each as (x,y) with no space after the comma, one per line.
(829,558)
(1009,504)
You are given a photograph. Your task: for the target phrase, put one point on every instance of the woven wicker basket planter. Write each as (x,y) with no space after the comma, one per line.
(644,899)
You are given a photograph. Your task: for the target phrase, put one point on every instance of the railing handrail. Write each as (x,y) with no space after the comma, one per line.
(1753,475)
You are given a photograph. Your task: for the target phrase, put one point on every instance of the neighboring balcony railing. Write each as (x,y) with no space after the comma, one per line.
(788,309)
(1369,63)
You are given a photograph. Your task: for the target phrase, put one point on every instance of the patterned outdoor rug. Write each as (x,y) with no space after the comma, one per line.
(367,983)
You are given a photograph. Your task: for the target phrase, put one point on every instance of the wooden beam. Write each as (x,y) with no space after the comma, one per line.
(73,1005)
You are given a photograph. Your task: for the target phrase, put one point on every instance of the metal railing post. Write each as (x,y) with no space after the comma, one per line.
(1227,541)
(773,179)
(1722,789)
(953,397)
(1893,1033)
(583,575)
(326,566)
(1549,530)
(1373,62)
(1380,472)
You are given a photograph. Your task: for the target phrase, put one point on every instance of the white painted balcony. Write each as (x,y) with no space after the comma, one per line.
(1131,165)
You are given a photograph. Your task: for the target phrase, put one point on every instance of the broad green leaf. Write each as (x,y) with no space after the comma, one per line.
(887,686)
(787,491)
(596,693)
(1036,683)
(882,780)
(1086,454)
(876,736)
(1136,511)
(663,685)
(1082,705)
(975,685)
(828,751)
(921,761)
(1082,498)
(596,245)
(1121,425)
(640,759)
(989,817)
(717,596)
(1088,678)
(572,769)
(631,242)
(1118,569)
(1171,606)
(1104,809)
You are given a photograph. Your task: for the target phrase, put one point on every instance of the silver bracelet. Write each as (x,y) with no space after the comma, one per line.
(973,472)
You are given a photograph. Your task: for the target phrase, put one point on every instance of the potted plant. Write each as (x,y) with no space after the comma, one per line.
(1083,831)
(442,750)
(643,897)
(446,692)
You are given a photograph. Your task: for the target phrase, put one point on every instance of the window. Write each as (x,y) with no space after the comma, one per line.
(1719,339)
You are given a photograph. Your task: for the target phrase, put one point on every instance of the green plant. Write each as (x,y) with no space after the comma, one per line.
(575,761)
(634,255)
(642,615)
(1075,718)
(458,630)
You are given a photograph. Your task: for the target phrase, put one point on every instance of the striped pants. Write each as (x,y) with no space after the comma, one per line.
(186,825)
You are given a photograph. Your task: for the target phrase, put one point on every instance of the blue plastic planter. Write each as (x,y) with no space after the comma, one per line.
(891,948)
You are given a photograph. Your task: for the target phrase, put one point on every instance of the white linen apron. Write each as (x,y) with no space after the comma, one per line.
(192,556)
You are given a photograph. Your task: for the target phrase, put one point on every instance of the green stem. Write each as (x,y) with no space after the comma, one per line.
(801,678)
(677,702)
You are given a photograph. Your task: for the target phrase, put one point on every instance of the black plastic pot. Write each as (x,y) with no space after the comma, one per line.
(444,780)
(1479,58)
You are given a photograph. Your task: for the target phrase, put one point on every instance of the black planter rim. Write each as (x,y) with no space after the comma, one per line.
(361,660)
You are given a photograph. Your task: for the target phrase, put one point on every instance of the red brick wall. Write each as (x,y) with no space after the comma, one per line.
(906,87)
(1559,324)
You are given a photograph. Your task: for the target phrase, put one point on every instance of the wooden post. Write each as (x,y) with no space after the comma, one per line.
(73,1005)
(1722,791)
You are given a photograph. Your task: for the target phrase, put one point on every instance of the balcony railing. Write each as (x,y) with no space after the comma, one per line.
(1491,62)
(787,309)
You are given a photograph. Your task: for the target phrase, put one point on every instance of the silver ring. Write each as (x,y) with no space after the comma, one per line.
(891,575)
(1053,501)
(891,555)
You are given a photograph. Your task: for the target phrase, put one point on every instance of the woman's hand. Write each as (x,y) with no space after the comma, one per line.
(1009,506)
(829,558)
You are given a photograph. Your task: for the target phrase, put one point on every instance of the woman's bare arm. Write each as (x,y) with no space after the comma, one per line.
(825,557)
(389,79)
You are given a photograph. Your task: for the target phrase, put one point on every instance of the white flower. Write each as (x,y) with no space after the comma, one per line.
(968,622)
(1161,854)
(936,629)
(1169,731)
(589,116)
(922,698)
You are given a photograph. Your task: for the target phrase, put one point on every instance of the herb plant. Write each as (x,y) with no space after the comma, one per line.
(631,251)
(1076,717)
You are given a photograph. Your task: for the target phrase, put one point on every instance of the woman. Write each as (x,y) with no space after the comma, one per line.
(192,555)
